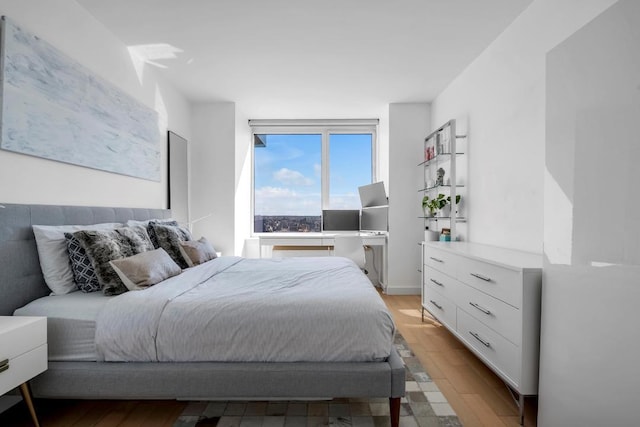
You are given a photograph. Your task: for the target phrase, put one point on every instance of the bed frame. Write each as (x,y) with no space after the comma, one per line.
(21,281)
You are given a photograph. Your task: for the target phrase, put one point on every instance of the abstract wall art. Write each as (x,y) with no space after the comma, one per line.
(55,108)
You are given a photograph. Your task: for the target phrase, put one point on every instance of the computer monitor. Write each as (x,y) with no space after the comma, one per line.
(340,220)
(375,219)
(373,195)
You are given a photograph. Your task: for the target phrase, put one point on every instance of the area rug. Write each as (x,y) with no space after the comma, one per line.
(423,406)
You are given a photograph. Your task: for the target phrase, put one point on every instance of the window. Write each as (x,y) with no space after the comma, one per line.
(301,168)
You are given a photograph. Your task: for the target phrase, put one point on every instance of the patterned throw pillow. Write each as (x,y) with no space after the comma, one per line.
(104,246)
(169,238)
(83,273)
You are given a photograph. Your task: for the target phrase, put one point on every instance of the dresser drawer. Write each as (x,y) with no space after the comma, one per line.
(441,283)
(497,351)
(440,260)
(503,318)
(501,283)
(19,335)
(22,368)
(441,307)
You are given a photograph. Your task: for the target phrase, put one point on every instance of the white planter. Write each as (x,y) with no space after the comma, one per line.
(431,236)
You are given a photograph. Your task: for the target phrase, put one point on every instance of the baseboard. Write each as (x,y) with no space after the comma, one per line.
(402,290)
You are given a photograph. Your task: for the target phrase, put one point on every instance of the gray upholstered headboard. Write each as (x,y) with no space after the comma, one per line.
(21,279)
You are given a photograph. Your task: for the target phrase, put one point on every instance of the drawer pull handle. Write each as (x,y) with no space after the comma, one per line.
(436,304)
(484,310)
(435,259)
(485,343)
(481,277)
(436,282)
(4,365)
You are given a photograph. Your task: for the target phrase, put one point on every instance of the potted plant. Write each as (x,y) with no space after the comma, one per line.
(433,204)
(425,205)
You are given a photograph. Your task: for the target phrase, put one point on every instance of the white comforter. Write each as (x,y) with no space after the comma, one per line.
(250,310)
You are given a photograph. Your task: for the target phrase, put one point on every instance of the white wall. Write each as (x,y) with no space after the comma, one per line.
(72,30)
(502,96)
(409,124)
(589,348)
(243,183)
(213,174)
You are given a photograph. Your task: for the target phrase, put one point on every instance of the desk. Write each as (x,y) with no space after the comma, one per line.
(325,239)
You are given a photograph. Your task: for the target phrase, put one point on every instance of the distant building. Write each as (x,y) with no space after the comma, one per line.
(285,223)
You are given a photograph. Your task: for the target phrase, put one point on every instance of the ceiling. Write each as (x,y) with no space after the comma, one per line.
(308,59)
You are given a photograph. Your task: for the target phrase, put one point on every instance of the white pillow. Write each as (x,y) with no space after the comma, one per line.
(54,258)
(145,269)
(134,222)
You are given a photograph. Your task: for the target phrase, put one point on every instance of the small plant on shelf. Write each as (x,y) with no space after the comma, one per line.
(433,204)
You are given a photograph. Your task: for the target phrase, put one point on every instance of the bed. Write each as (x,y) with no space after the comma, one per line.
(77,370)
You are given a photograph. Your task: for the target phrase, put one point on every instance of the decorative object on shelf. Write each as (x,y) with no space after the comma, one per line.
(429,153)
(445,235)
(458,197)
(430,236)
(440,178)
(425,205)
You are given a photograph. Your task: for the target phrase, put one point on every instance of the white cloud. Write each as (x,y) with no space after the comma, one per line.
(284,201)
(291,177)
(344,201)
(317,170)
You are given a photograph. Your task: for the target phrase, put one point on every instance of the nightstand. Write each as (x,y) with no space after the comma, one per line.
(23,354)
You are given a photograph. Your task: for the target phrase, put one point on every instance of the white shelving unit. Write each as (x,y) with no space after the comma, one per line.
(441,153)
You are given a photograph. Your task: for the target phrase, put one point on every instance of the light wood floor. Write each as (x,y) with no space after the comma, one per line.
(477,395)
(102,413)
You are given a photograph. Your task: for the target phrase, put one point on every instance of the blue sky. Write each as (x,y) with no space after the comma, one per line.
(288,173)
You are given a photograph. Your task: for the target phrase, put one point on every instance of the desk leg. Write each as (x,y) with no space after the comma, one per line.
(26,395)
(384,267)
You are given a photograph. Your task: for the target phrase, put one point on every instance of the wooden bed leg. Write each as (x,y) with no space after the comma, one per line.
(26,396)
(394,411)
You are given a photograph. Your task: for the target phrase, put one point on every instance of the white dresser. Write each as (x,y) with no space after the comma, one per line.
(489,297)
(23,354)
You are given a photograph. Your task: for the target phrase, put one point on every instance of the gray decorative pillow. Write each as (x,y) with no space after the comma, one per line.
(169,238)
(196,252)
(152,232)
(145,269)
(83,273)
(139,237)
(104,246)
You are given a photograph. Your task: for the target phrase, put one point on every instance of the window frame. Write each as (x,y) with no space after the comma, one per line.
(325,128)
